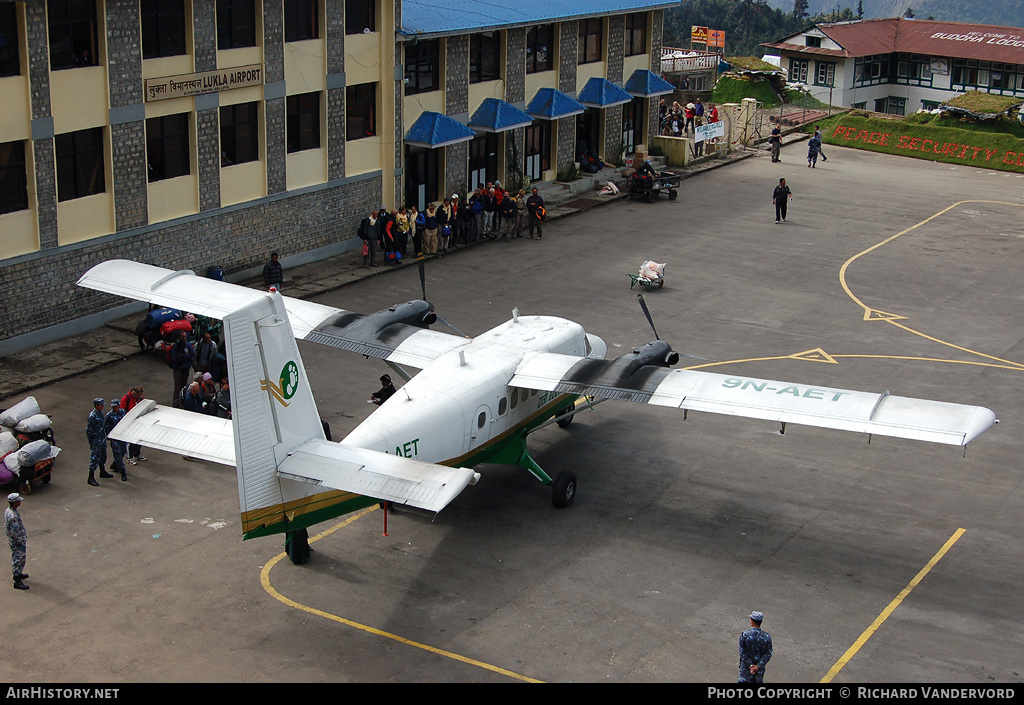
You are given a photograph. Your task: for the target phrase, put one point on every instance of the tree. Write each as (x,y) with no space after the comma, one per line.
(860,9)
(909,14)
(800,9)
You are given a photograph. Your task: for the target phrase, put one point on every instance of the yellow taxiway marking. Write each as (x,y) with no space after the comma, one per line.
(852,651)
(872,314)
(265,581)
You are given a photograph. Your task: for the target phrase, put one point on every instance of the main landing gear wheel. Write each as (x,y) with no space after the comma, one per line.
(563,489)
(564,422)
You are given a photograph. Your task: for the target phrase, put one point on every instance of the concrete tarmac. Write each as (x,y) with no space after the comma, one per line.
(890,274)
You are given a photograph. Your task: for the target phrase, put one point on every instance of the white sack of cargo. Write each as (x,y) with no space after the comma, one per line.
(11,464)
(8,443)
(36,452)
(22,410)
(33,424)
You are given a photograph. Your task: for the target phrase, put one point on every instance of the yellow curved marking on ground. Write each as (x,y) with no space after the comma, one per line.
(265,581)
(871,314)
(867,634)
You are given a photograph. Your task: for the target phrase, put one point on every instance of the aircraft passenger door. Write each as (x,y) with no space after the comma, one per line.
(481,426)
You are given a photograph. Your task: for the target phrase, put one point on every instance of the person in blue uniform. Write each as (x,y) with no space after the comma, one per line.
(117,448)
(755,650)
(17,539)
(96,432)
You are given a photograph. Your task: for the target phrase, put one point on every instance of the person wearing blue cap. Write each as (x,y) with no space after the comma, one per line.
(17,539)
(117,448)
(755,650)
(96,432)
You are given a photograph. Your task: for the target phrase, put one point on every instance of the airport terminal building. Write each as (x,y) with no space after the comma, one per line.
(194,134)
(899,65)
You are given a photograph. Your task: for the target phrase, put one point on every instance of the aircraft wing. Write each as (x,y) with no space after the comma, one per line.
(177,431)
(842,409)
(401,343)
(374,474)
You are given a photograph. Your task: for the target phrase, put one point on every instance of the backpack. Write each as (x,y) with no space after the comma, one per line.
(361,232)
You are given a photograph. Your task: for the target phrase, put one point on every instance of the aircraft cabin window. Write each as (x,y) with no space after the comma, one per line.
(515,398)
(502,406)
(481,419)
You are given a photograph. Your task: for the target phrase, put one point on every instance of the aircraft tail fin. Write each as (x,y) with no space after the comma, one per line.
(273,410)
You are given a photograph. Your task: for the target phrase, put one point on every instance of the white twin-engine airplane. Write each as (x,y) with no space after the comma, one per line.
(474,401)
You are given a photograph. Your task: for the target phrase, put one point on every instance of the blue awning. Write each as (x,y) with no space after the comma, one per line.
(602,93)
(422,19)
(436,130)
(495,115)
(646,84)
(551,104)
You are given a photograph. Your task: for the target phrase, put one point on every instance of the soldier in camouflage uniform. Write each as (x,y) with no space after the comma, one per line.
(117,448)
(17,539)
(755,651)
(96,432)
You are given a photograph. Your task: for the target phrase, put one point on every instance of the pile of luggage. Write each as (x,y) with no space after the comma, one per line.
(160,329)
(27,446)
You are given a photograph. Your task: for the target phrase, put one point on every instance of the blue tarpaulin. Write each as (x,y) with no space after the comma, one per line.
(425,18)
(602,93)
(495,115)
(551,104)
(436,130)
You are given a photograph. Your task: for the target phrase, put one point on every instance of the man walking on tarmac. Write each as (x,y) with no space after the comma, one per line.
(17,539)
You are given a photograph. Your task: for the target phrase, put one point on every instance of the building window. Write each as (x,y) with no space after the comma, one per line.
(871,70)
(540,45)
(236,24)
(79,163)
(812,41)
(303,121)
(72,30)
(360,16)
(422,62)
(10,53)
(168,152)
(635,41)
(360,111)
(163,28)
(826,74)
(798,71)
(590,45)
(301,20)
(13,178)
(239,133)
(485,57)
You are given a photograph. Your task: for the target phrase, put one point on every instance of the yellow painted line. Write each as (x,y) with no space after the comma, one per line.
(265,581)
(872,315)
(838,356)
(852,651)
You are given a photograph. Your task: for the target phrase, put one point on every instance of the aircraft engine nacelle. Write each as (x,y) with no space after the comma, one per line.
(657,353)
(414,313)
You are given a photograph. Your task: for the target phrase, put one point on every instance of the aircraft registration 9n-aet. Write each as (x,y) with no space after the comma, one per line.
(474,401)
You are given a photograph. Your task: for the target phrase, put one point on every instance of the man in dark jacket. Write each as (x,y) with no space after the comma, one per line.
(535,213)
(181,364)
(273,273)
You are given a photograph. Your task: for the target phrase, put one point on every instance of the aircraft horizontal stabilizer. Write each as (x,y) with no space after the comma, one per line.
(177,431)
(825,407)
(375,474)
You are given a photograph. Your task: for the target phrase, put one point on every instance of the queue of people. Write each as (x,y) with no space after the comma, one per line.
(678,121)
(490,212)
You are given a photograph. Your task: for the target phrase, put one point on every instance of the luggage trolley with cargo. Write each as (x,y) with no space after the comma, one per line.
(650,274)
(27,446)
(646,187)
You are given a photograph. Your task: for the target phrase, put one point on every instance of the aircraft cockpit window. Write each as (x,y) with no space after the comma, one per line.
(502,406)
(586,347)
(481,419)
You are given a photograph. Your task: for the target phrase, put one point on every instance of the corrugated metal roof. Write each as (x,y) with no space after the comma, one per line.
(913,36)
(436,130)
(495,115)
(602,93)
(646,84)
(428,18)
(551,104)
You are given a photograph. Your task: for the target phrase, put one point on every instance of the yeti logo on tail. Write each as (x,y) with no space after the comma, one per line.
(287,385)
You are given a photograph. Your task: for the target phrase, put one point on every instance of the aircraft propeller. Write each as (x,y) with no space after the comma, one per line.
(650,320)
(423,290)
